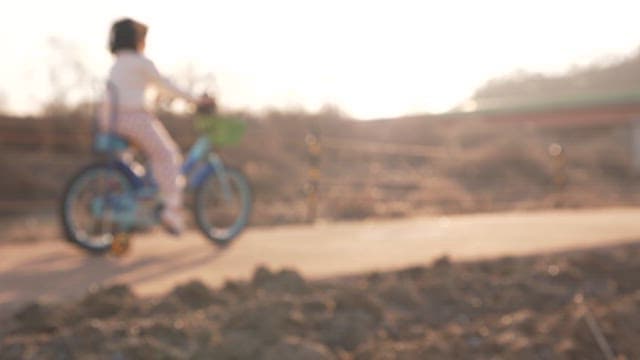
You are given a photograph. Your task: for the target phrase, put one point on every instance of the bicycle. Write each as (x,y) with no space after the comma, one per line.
(111,199)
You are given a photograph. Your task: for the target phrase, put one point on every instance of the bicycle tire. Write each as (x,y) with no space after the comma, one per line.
(223,236)
(77,183)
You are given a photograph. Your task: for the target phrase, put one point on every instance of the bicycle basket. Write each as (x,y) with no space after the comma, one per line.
(221,130)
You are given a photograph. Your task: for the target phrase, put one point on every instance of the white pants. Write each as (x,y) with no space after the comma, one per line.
(147,133)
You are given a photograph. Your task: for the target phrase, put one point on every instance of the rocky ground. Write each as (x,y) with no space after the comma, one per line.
(543,307)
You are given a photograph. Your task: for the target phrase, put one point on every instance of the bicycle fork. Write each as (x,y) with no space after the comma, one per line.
(221,175)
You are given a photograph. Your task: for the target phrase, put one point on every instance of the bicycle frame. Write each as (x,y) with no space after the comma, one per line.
(202,149)
(201,162)
(199,154)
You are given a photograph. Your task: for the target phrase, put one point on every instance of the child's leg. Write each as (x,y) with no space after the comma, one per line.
(154,140)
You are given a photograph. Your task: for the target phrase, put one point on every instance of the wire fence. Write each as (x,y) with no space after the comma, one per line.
(600,160)
(385,148)
(339,166)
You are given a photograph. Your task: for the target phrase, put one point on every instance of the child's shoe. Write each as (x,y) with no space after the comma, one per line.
(173,221)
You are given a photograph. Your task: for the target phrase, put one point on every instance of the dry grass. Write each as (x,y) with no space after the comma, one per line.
(491,166)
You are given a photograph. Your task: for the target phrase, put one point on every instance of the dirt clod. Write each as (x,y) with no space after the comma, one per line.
(194,294)
(285,281)
(294,348)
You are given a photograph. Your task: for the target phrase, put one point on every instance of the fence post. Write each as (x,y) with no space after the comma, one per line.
(558,165)
(47,135)
(635,146)
(312,142)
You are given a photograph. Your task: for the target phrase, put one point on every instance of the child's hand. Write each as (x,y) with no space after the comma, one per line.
(206,104)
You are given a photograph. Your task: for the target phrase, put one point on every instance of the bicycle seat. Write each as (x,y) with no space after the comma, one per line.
(108,143)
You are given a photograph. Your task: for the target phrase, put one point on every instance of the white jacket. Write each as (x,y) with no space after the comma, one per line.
(132,74)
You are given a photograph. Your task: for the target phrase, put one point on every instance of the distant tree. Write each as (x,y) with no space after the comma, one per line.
(192,79)
(69,78)
(72,86)
(610,76)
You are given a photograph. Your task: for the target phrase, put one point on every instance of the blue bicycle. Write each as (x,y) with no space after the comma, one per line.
(108,201)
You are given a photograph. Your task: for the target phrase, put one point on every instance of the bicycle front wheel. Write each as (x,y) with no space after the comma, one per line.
(223,206)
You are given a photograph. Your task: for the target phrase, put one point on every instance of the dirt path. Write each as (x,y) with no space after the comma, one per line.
(54,270)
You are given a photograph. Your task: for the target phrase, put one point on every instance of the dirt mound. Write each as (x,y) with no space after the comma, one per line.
(542,307)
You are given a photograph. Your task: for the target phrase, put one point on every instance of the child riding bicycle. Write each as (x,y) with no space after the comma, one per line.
(130,76)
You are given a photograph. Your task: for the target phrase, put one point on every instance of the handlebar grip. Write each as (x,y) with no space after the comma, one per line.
(207,107)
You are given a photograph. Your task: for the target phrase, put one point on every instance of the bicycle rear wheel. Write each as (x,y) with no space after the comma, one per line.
(222,217)
(87,211)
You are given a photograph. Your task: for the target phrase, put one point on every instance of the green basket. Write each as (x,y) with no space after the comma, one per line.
(221,130)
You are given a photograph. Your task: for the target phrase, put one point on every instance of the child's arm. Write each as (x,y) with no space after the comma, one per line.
(154,76)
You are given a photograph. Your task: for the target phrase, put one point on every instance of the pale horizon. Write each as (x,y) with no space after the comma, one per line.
(370,60)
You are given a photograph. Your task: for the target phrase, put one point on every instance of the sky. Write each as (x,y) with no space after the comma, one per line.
(370,58)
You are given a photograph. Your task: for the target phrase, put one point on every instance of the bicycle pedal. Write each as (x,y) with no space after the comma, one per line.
(121,244)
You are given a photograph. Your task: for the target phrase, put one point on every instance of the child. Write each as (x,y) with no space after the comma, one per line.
(131,74)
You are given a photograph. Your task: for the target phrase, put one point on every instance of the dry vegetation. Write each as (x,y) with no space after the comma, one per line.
(490,166)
